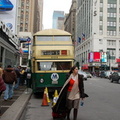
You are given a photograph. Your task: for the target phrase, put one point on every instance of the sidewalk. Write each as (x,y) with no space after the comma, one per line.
(12,109)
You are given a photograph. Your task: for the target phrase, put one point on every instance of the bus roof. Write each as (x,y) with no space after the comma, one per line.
(52,32)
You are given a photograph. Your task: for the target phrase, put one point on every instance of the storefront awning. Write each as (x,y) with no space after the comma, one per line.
(117,60)
(85,67)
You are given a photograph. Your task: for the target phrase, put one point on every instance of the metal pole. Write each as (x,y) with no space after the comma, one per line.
(26,92)
(109,62)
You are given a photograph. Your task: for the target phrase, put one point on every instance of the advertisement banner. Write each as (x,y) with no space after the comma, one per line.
(90,57)
(8,13)
(104,57)
(94,57)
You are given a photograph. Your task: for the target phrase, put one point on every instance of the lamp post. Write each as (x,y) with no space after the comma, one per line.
(101,51)
(108,58)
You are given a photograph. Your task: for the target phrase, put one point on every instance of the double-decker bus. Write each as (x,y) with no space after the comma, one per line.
(52,58)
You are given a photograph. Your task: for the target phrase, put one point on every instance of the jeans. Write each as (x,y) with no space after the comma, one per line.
(8,93)
(17,84)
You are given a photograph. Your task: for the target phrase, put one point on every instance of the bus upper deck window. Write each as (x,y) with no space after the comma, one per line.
(62,38)
(44,38)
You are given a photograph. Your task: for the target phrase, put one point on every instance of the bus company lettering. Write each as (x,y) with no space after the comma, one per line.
(54,77)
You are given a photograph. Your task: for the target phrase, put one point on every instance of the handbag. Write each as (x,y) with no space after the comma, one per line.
(2,85)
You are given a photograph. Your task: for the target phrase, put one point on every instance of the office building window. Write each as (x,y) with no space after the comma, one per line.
(27,1)
(21,28)
(111,15)
(111,43)
(111,23)
(119,43)
(111,6)
(100,32)
(101,13)
(26,30)
(119,53)
(101,23)
(100,41)
(101,4)
(111,33)
(101,27)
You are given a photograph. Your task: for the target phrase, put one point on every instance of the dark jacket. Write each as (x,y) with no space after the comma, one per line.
(60,106)
(17,72)
(9,76)
(2,85)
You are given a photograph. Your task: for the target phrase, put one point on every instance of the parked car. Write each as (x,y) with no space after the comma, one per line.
(88,75)
(108,74)
(102,74)
(83,73)
(115,76)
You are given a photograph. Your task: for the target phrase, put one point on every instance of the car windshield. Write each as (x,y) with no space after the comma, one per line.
(81,72)
(119,73)
(115,73)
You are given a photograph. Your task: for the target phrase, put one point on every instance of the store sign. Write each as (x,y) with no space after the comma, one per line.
(94,57)
(103,57)
(8,13)
(117,60)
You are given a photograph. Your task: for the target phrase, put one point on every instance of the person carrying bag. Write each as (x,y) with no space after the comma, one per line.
(69,96)
(2,86)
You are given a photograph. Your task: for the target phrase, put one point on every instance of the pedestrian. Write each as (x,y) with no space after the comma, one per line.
(9,77)
(22,76)
(2,84)
(1,71)
(70,94)
(28,77)
(17,71)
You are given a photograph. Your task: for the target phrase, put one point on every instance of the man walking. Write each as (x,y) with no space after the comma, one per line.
(17,71)
(9,77)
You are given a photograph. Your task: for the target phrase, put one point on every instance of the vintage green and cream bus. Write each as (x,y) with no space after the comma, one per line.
(52,58)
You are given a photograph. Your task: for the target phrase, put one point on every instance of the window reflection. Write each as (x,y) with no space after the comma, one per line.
(55,38)
(48,66)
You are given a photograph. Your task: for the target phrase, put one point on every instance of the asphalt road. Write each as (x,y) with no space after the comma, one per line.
(103,103)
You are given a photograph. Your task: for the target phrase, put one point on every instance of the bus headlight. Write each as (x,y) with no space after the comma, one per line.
(41,80)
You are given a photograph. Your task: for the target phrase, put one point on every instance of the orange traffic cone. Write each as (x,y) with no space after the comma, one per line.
(44,101)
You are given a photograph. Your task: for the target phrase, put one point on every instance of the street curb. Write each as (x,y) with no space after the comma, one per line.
(15,110)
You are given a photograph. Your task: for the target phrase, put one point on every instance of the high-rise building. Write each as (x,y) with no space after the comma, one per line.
(58,20)
(70,20)
(29,16)
(97,30)
(60,23)
(38,16)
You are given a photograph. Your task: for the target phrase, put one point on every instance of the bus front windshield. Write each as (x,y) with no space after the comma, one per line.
(48,66)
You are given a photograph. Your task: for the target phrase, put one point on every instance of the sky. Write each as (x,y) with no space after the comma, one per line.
(49,6)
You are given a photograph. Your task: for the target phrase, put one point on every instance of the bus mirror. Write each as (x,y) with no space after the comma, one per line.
(28,75)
